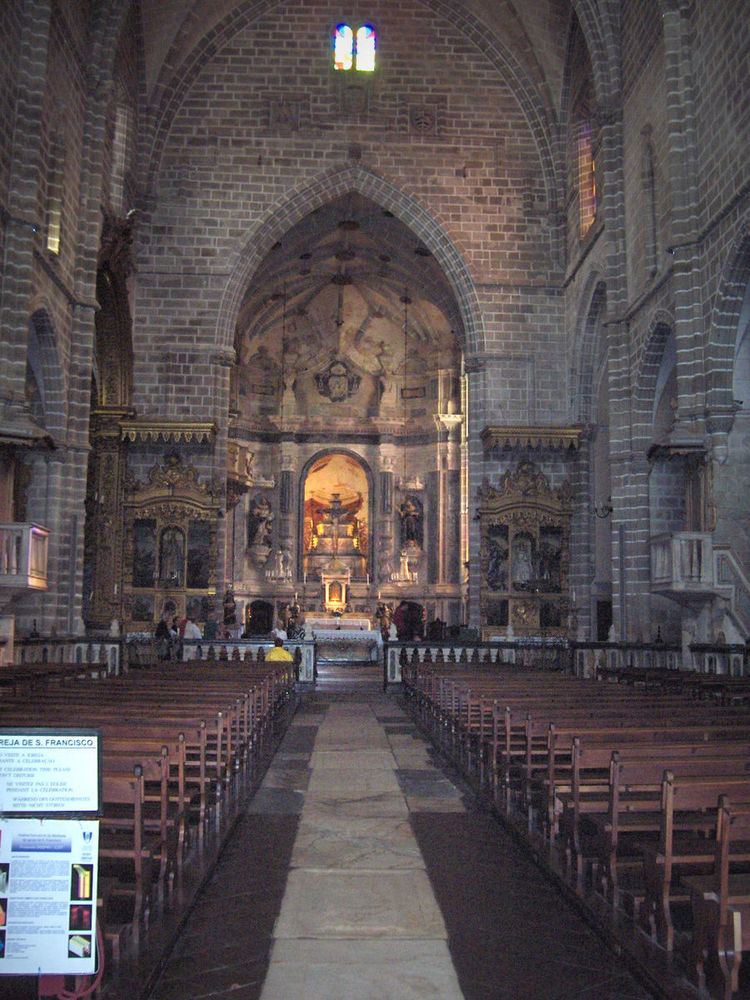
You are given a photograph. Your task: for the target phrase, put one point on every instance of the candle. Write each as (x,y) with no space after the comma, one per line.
(378,595)
(304,577)
(368,579)
(295,596)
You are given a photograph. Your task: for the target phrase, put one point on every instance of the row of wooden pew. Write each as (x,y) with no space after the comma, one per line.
(641,798)
(182,745)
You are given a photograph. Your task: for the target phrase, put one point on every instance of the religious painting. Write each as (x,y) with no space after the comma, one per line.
(171,557)
(199,549)
(550,554)
(144,552)
(497,559)
(550,615)
(496,613)
(198,608)
(143,608)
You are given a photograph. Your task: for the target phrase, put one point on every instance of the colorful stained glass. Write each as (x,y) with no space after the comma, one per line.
(343,47)
(366,45)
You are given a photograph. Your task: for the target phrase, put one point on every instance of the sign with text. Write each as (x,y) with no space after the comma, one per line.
(49,771)
(48,873)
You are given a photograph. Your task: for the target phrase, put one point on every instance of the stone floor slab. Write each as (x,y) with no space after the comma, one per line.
(359,905)
(331,781)
(350,760)
(326,842)
(361,970)
(386,804)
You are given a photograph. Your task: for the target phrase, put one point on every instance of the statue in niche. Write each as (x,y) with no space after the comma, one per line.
(259,528)
(410,512)
(523,562)
(260,522)
(230,608)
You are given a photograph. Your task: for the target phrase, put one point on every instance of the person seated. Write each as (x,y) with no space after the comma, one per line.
(278,652)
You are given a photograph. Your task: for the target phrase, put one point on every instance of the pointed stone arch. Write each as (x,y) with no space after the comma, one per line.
(43,342)
(661,327)
(186,59)
(594,301)
(725,317)
(328,186)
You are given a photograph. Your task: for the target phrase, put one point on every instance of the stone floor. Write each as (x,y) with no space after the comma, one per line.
(361,871)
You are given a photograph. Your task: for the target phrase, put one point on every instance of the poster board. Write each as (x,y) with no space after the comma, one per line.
(50,772)
(48,891)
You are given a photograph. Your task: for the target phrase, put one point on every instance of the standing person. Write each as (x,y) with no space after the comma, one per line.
(191,630)
(278,653)
(211,628)
(163,639)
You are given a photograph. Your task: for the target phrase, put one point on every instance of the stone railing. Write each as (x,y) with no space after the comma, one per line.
(531,652)
(23,556)
(722,659)
(591,659)
(241,649)
(682,563)
(72,649)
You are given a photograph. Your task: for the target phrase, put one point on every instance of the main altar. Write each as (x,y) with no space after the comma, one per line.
(345,638)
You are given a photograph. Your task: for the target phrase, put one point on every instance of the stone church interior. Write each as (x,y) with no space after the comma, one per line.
(412,341)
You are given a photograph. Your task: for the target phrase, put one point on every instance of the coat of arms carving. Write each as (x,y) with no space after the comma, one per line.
(337,382)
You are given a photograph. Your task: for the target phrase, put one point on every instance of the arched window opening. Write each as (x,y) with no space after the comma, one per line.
(54,206)
(649,190)
(587,193)
(120,145)
(366,45)
(354,51)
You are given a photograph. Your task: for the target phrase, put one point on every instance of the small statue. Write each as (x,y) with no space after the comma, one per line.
(230,608)
(260,522)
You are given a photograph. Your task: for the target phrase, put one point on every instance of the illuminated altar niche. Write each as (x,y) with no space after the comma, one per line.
(336,516)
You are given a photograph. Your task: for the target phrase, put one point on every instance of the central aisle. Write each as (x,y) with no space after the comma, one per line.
(359,917)
(361,872)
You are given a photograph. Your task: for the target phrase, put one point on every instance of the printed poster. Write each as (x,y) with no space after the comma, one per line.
(48,872)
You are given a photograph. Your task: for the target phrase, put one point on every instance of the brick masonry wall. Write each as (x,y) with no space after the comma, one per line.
(265,122)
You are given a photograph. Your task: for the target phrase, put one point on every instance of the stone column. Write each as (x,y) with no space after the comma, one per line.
(383,548)
(105,517)
(23,222)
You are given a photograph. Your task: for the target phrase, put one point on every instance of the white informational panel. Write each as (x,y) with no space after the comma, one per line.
(45,771)
(48,874)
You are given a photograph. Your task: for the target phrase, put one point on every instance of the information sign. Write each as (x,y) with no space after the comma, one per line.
(47,771)
(48,876)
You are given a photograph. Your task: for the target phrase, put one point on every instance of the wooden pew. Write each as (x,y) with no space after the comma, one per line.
(721,903)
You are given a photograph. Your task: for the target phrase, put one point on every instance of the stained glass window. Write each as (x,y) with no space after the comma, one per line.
(354,52)
(366,43)
(343,47)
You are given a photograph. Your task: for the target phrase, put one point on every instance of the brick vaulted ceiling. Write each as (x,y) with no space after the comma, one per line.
(345,269)
(535,31)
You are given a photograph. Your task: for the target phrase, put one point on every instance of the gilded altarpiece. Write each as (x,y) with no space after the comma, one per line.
(170,544)
(525,554)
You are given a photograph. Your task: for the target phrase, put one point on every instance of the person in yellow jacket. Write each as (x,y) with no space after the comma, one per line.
(278,652)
